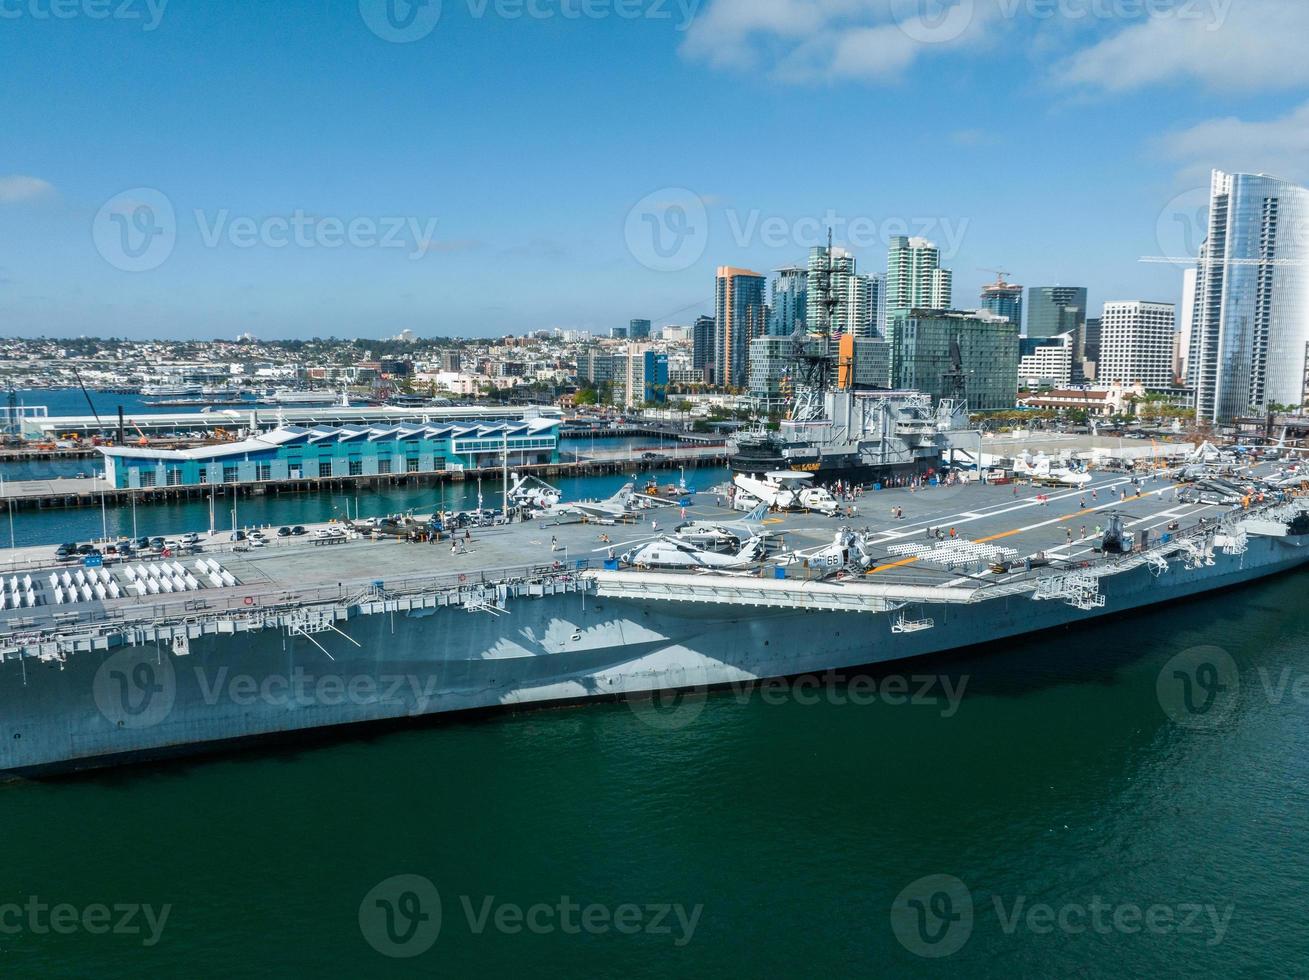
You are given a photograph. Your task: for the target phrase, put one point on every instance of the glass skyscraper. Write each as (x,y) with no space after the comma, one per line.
(1052,310)
(1004,299)
(1250,320)
(790,291)
(638,330)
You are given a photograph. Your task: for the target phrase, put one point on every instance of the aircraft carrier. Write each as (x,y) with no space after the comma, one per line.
(100,665)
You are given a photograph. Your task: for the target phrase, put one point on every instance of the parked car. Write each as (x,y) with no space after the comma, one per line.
(283,532)
(156,544)
(298,529)
(236,536)
(65,551)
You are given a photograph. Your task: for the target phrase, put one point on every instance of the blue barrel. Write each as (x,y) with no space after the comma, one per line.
(1166,537)
(877,486)
(611,564)
(779,572)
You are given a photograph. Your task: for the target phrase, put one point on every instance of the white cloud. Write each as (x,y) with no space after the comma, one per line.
(1246,45)
(826,40)
(15,189)
(1278,146)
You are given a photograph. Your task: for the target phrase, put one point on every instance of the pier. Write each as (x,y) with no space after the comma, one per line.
(74,492)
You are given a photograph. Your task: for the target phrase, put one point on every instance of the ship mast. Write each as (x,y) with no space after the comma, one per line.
(811,358)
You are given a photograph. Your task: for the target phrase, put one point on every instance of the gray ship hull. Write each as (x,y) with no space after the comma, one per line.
(375,663)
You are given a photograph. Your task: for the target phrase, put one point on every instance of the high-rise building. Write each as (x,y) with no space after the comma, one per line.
(1186,325)
(914,277)
(770,360)
(742,315)
(450,360)
(702,344)
(1052,310)
(1004,299)
(618,333)
(954,354)
(787,310)
(1090,347)
(1136,345)
(1250,336)
(835,290)
(638,329)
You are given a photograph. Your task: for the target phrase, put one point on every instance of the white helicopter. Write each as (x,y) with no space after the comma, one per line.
(670,552)
(788,490)
(847,552)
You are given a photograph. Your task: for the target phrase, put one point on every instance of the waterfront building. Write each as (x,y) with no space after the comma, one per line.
(325,452)
(1137,344)
(646,378)
(914,277)
(742,315)
(1250,332)
(955,354)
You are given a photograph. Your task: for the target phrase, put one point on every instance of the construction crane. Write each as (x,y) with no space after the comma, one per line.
(999,274)
(1201,260)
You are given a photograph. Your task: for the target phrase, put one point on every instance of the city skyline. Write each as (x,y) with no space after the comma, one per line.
(405,154)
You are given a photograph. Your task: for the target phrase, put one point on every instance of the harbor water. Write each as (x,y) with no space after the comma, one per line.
(1047,778)
(1052,806)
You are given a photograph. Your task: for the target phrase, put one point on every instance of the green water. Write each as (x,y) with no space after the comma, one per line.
(791,822)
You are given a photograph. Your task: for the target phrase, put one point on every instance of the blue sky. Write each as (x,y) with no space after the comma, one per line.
(502,167)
